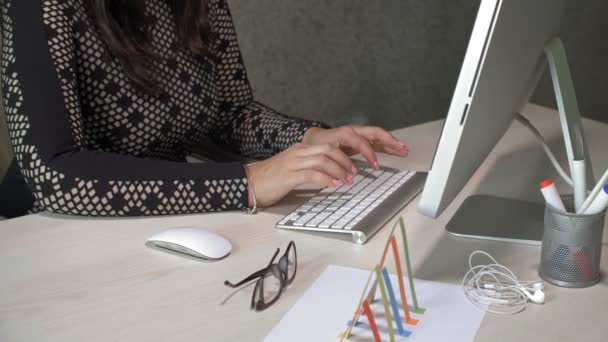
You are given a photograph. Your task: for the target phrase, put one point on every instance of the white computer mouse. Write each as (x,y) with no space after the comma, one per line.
(193,241)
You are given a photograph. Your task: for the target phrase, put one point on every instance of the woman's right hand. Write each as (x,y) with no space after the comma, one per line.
(274,178)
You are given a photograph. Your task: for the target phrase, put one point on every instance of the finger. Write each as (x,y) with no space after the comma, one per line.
(380,133)
(315,177)
(361,145)
(332,152)
(383,138)
(392,151)
(399,152)
(326,165)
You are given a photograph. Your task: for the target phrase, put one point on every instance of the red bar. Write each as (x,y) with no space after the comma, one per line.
(385,253)
(372,321)
(408,318)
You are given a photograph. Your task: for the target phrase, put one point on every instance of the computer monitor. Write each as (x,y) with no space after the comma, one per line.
(502,66)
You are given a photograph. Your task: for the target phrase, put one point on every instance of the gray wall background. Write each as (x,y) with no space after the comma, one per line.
(390,62)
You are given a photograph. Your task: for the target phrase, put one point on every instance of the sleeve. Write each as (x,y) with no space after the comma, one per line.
(247,126)
(44,120)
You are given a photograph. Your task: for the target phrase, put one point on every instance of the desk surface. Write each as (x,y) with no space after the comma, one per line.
(75,279)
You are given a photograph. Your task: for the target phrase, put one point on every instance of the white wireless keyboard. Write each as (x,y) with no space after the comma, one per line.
(359,209)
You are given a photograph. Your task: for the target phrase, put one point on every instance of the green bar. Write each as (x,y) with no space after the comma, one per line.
(387,311)
(410,273)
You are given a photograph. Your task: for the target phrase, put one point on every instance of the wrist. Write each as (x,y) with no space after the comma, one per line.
(251,197)
(309,135)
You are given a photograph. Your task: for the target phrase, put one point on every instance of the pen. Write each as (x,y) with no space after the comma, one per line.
(599,204)
(594,192)
(549,191)
(584,266)
(579,182)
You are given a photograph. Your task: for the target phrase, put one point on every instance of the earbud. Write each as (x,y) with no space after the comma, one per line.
(538,286)
(538,297)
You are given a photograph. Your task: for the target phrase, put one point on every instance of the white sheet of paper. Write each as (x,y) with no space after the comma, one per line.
(323,311)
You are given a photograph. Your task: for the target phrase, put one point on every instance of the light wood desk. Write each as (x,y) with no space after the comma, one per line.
(75,279)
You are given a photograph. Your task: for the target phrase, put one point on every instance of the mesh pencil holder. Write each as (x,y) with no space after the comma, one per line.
(571,247)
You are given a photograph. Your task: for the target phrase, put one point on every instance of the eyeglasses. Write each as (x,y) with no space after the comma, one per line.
(271,280)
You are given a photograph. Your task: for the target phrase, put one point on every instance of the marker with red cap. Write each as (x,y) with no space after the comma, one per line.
(549,191)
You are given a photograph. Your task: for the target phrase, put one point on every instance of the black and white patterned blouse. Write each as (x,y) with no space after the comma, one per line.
(89,143)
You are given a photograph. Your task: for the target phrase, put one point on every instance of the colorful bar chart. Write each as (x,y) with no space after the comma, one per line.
(391,305)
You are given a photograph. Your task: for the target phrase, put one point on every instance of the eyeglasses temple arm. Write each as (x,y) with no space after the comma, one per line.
(252,277)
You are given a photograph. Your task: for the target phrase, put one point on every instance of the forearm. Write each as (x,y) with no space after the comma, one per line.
(257,131)
(100,184)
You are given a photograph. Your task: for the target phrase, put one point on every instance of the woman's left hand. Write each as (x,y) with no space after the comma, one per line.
(366,140)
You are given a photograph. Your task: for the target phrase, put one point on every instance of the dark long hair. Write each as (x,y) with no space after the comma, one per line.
(125,29)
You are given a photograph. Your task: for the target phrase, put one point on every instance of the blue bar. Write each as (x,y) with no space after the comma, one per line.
(391,295)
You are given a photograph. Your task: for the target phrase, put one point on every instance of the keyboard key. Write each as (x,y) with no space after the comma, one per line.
(291,217)
(302,220)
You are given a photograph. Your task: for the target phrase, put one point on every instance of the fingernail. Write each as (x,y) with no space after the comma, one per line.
(349,180)
(354,170)
(335,183)
(402,144)
(376,165)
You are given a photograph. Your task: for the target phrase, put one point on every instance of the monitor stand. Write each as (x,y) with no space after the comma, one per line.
(500,219)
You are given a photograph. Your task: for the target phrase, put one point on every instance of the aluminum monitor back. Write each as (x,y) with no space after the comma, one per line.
(501,69)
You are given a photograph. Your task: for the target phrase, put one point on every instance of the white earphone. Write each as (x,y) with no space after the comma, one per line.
(538,297)
(494,288)
(533,291)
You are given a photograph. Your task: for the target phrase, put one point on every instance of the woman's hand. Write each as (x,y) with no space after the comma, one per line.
(366,140)
(320,164)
